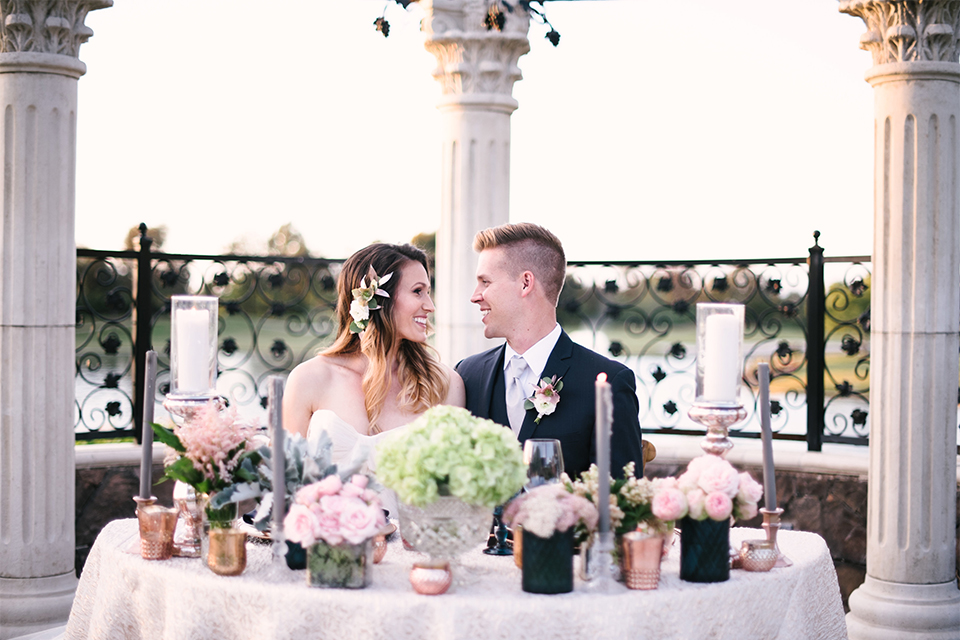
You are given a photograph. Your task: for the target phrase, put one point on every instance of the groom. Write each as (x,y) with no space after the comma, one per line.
(520,272)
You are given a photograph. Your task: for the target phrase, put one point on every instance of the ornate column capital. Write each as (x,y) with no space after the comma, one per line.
(46,26)
(477,44)
(908,30)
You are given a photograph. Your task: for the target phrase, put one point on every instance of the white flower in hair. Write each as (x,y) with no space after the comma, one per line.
(364,300)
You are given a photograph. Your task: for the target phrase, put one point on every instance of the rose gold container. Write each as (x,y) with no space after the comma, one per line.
(758,555)
(431,578)
(379,548)
(641,560)
(157,525)
(518,546)
(228,552)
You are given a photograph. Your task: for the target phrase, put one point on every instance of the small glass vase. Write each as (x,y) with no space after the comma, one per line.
(342,566)
(548,563)
(704,550)
(444,529)
(216,518)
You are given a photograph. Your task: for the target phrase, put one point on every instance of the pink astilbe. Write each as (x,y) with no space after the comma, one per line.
(214,441)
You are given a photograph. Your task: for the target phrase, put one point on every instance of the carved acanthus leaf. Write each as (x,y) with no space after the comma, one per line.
(908,30)
(46,26)
(470,57)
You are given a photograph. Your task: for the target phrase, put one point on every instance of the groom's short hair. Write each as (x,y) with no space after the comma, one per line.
(530,247)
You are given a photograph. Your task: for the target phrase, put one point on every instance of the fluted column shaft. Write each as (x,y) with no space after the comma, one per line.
(476,68)
(911,590)
(38,101)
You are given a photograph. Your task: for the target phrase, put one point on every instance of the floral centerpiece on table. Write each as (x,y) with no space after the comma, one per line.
(714,489)
(335,512)
(334,521)
(212,451)
(636,504)
(449,452)
(550,508)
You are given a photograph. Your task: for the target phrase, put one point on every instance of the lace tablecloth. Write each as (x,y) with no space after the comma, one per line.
(124,597)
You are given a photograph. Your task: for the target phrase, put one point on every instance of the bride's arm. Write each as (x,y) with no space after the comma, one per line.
(456,394)
(298,399)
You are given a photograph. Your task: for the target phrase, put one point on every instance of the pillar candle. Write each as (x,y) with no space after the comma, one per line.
(193,350)
(721,358)
(769,479)
(146,442)
(604,417)
(275,403)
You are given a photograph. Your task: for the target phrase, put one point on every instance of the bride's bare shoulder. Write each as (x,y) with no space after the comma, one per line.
(456,394)
(321,370)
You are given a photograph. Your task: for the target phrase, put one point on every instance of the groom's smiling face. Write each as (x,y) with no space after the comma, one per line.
(497,293)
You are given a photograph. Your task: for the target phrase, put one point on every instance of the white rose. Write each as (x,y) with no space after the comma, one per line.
(359,311)
(544,407)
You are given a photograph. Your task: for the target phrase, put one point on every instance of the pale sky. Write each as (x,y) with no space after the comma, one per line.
(656,130)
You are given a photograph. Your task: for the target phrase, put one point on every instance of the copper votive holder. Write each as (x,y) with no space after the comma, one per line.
(771,524)
(431,578)
(157,525)
(758,555)
(379,548)
(228,552)
(641,560)
(518,546)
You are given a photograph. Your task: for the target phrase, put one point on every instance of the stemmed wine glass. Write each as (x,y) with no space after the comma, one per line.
(544,462)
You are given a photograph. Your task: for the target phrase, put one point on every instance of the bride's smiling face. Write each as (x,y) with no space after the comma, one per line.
(412,302)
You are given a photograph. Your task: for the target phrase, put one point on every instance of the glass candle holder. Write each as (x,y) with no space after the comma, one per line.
(719,354)
(193,346)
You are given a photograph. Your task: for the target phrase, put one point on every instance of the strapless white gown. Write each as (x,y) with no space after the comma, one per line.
(352,448)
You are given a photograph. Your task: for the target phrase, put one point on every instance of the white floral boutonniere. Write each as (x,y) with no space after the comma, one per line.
(545,397)
(364,301)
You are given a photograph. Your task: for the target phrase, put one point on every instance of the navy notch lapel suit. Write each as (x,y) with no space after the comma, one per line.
(572,423)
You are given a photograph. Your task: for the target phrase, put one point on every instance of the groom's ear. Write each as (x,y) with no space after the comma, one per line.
(527,280)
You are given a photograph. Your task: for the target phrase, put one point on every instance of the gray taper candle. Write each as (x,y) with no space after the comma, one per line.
(275,403)
(146,442)
(766,433)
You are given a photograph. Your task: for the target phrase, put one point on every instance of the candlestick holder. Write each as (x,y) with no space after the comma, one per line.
(497,542)
(771,524)
(603,572)
(717,419)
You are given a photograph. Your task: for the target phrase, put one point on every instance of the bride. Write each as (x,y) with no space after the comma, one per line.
(379,374)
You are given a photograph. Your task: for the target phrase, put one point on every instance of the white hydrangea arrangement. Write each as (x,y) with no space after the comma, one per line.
(449,451)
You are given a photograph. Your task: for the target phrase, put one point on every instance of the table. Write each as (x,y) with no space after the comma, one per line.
(124,597)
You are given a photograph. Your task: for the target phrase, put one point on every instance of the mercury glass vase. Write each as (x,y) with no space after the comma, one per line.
(548,562)
(445,528)
(222,518)
(341,566)
(704,550)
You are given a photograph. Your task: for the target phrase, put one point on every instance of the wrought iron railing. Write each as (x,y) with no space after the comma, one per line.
(278,311)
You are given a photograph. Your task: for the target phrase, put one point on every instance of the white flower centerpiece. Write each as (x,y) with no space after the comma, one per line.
(449,470)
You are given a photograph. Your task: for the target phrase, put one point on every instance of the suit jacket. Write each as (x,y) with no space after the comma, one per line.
(572,423)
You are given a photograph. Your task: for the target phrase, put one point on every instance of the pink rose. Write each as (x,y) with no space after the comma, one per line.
(360,480)
(369,495)
(351,490)
(669,504)
(327,528)
(358,522)
(720,476)
(688,481)
(299,524)
(746,510)
(329,486)
(307,494)
(695,500)
(718,505)
(332,505)
(750,489)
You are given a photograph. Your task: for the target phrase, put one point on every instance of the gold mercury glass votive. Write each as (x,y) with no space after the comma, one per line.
(758,555)
(379,548)
(641,560)
(228,552)
(518,546)
(157,525)
(431,578)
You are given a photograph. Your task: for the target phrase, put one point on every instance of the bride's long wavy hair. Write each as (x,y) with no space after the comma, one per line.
(423,383)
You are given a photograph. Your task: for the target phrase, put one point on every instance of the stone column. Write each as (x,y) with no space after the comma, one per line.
(476,68)
(39,69)
(911,588)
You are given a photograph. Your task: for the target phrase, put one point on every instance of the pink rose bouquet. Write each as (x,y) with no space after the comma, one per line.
(714,489)
(334,512)
(549,509)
